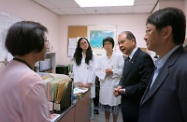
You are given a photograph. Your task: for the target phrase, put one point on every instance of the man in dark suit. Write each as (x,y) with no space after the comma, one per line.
(137,71)
(165,99)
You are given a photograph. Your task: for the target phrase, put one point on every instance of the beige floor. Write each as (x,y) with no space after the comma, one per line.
(101,118)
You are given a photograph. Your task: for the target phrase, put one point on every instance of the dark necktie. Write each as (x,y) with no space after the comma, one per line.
(127,62)
(125,67)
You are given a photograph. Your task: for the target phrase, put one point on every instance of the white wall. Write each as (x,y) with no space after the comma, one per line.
(29,10)
(134,23)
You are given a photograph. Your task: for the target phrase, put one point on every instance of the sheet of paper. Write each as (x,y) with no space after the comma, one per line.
(80,90)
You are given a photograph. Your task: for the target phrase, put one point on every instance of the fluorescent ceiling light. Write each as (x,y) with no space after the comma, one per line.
(104,3)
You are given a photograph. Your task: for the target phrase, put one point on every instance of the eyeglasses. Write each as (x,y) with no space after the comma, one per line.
(107,43)
(83,43)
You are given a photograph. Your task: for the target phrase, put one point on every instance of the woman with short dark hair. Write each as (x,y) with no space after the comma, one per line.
(109,72)
(22,91)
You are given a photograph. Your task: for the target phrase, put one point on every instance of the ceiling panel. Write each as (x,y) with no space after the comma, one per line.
(120,9)
(45,3)
(70,7)
(142,9)
(73,11)
(95,10)
(63,3)
(58,11)
(145,2)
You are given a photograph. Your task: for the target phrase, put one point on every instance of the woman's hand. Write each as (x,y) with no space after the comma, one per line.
(108,71)
(88,85)
(80,84)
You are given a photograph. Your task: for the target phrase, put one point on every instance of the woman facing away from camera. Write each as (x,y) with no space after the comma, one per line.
(22,91)
(84,61)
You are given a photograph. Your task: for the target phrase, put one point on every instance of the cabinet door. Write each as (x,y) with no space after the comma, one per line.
(69,116)
(82,110)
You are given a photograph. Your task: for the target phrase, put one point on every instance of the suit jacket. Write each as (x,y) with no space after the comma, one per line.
(166,101)
(135,80)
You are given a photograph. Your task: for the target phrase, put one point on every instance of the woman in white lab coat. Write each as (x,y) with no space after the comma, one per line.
(83,68)
(109,71)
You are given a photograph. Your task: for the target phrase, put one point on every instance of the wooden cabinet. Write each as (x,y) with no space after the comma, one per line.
(68,116)
(82,109)
(78,112)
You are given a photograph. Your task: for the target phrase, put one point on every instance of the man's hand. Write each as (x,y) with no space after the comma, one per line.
(119,90)
(116,91)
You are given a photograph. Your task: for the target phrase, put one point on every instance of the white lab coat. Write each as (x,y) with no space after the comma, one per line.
(85,73)
(109,82)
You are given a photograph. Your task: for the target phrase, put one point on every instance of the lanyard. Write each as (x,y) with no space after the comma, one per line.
(20,60)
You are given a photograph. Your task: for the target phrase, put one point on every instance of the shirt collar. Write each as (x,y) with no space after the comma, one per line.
(133,52)
(161,61)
